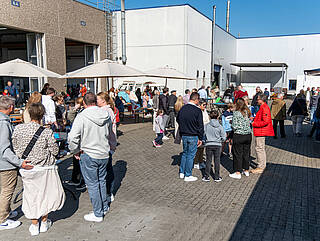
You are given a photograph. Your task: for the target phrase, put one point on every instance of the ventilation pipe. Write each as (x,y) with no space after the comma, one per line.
(228,17)
(123,32)
(212,44)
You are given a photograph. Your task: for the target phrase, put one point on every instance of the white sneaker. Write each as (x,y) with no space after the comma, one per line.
(190,179)
(13,214)
(44,226)
(165,138)
(181,175)
(246,173)
(34,229)
(112,197)
(9,224)
(92,218)
(235,175)
(196,166)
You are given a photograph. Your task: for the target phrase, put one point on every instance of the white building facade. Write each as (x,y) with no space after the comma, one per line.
(180,37)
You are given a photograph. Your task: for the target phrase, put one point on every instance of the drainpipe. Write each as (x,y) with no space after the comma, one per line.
(228,17)
(123,32)
(212,44)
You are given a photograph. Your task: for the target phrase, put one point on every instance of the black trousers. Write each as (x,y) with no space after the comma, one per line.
(213,152)
(171,122)
(241,152)
(275,127)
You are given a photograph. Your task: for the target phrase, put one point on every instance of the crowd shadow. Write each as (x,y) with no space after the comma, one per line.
(303,146)
(282,206)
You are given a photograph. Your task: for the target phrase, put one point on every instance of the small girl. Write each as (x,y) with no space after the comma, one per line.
(159,129)
(226,123)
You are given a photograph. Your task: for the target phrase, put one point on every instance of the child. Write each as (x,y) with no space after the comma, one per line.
(226,123)
(159,129)
(214,137)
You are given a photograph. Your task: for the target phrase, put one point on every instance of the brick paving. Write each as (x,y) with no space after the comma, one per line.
(152,203)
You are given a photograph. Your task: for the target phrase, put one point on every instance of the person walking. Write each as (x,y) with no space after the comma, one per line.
(262,127)
(313,105)
(9,163)
(89,140)
(226,120)
(186,97)
(199,158)
(12,90)
(242,139)
(299,111)
(214,137)
(164,105)
(278,115)
(159,129)
(191,129)
(83,90)
(203,93)
(42,189)
(172,99)
(50,107)
(34,98)
(254,103)
(240,93)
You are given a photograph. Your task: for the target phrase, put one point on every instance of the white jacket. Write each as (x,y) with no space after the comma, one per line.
(92,133)
(50,107)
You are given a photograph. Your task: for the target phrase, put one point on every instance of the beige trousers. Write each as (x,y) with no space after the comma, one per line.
(8,181)
(261,151)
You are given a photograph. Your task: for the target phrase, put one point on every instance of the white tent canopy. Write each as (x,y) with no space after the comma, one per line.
(20,68)
(168,72)
(103,69)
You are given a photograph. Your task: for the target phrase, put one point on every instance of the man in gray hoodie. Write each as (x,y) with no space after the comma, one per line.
(9,164)
(214,137)
(91,141)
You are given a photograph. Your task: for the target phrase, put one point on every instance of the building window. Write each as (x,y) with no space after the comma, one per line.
(292,84)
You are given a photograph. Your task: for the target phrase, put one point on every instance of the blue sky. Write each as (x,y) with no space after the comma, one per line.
(253,18)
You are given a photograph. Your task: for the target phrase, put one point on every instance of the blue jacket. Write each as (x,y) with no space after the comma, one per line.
(226,120)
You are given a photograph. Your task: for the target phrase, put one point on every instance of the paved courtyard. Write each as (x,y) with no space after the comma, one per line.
(152,203)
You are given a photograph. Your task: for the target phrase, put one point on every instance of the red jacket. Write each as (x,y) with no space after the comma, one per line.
(262,124)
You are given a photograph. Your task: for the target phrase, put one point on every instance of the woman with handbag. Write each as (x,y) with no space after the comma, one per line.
(298,111)
(43,191)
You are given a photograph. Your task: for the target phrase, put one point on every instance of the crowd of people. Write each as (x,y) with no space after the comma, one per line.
(31,148)
(91,121)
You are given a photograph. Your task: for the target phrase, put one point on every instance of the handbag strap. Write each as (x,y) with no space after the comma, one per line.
(32,142)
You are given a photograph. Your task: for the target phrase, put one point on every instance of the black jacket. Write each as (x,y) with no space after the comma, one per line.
(190,121)
(163,104)
(255,99)
(298,107)
(172,99)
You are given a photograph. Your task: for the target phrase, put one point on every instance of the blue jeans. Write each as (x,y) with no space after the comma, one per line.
(190,146)
(158,140)
(312,111)
(94,172)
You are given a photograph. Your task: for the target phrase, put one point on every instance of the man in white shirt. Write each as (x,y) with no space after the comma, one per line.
(50,107)
(203,93)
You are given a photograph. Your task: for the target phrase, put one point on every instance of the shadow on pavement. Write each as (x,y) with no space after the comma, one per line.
(299,145)
(176,160)
(120,170)
(284,205)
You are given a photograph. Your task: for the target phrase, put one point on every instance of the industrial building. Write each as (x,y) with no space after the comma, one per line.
(64,35)
(60,35)
(180,36)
